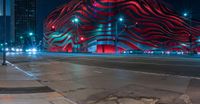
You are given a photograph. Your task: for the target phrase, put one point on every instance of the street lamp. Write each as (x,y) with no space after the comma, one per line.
(21,40)
(188,15)
(185,14)
(121,19)
(21,37)
(76,22)
(198,40)
(116,34)
(32,38)
(30,34)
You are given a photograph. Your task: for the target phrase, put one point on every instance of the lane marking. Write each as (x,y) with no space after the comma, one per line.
(98,72)
(70,101)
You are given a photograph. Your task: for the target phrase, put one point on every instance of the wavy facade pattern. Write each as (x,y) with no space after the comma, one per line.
(107,26)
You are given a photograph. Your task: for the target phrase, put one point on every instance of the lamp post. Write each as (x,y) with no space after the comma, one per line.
(4,34)
(76,21)
(32,38)
(116,34)
(188,15)
(30,34)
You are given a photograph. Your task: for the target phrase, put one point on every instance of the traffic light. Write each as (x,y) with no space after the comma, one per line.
(82,38)
(53,28)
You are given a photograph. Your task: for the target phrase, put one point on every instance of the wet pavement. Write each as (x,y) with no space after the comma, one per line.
(72,82)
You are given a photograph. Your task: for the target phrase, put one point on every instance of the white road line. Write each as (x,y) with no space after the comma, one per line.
(19,69)
(70,101)
(145,63)
(98,72)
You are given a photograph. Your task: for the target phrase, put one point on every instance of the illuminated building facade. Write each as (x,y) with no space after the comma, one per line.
(110,26)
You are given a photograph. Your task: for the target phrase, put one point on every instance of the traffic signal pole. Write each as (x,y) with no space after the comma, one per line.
(4,34)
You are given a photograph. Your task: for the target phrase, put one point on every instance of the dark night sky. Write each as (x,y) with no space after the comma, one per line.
(181,6)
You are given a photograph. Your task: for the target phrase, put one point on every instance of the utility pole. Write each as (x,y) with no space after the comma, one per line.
(4,34)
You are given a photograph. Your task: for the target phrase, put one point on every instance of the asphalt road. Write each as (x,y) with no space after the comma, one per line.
(106,79)
(174,65)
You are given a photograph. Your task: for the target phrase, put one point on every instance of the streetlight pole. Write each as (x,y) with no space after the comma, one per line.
(116,38)
(4,34)
(116,33)
(76,23)
(188,16)
(32,38)
(77,38)
(190,36)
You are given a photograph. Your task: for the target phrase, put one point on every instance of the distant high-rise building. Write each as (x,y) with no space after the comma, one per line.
(24,21)
(8,29)
(9,38)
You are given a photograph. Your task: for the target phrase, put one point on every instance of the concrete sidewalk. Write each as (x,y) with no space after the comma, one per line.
(19,88)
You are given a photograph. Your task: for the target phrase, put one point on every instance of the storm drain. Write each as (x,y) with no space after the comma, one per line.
(26,90)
